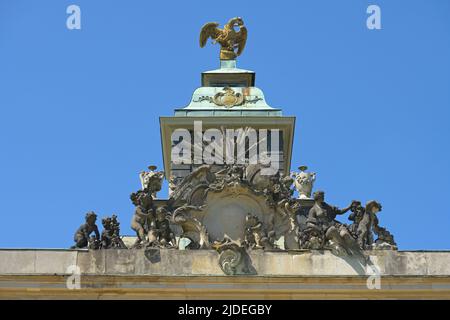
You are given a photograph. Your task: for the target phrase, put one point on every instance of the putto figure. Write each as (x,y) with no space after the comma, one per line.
(255,237)
(365,224)
(303,182)
(83,237)
(143,219)
(164,235)
(111,233)
(232,43)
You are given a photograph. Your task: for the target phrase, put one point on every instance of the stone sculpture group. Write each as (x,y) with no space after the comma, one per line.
(234,208)
(276,220)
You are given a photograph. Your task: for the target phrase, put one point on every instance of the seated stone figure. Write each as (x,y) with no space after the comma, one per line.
(322,224)
(82,235)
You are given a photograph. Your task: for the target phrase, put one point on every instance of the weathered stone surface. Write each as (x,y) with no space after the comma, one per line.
(144,266)
(121,261)
(302,262)
(17,261)
(274,263)
(51,262)
(206,264)
(92,262)
(170,262)
(438,263)
(179,262)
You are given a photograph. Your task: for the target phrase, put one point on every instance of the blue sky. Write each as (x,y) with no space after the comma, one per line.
(79,108)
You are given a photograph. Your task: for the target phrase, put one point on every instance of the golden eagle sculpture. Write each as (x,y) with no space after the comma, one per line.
(232,42)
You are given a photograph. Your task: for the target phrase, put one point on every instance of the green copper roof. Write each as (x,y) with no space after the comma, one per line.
(228,91)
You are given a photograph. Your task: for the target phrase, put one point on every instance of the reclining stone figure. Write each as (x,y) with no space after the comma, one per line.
(321,224)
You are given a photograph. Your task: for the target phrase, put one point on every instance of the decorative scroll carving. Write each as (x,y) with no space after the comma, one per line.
(192,188)
(204,98)
(254,100)
(233,259)
(193,229)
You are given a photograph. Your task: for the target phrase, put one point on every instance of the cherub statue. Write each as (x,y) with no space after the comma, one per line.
(356,215)
(82,235)
(106,238)
(255,237)
(365,224)
(303,182)
(288,207)
(115,225)
(151,181)
(111,233)
(164,235)
(143,219)
(385,239)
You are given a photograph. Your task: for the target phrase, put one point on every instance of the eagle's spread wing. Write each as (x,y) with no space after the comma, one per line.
(241,40)
(208,30)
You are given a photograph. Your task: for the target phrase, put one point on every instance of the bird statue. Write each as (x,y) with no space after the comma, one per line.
(232,43)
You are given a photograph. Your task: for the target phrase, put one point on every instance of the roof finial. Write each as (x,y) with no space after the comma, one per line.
(228,38)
